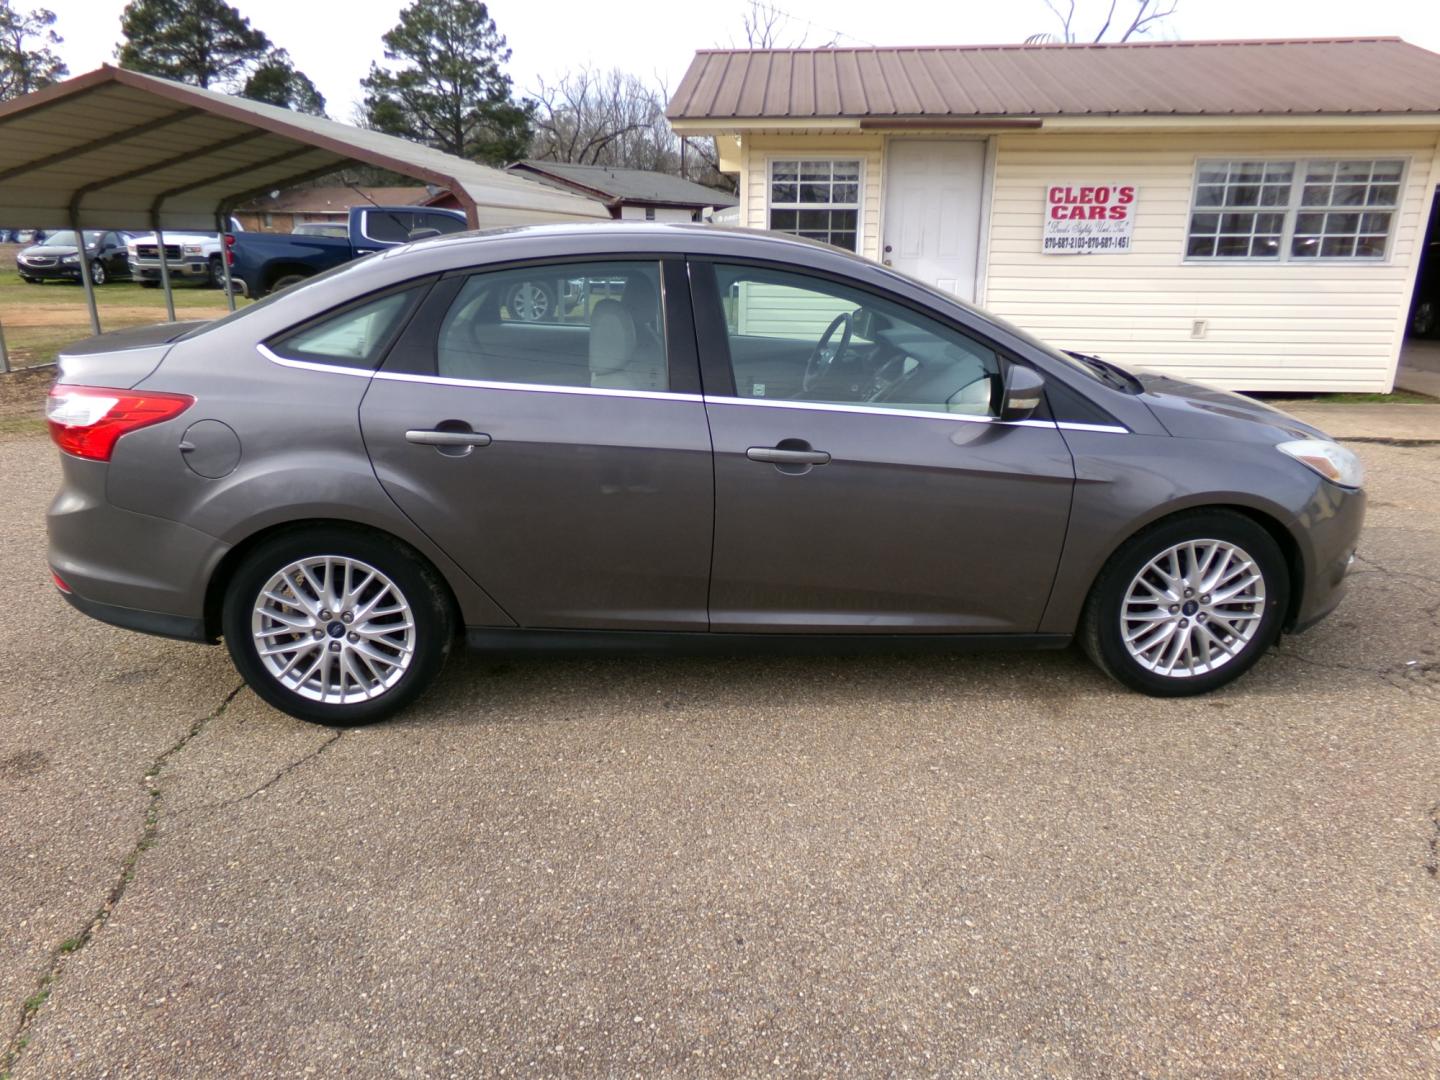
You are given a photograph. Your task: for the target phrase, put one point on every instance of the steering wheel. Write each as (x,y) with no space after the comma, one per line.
(823,355)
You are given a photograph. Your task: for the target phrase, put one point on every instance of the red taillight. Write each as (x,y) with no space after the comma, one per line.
(230,248)
(60,582)
(87,420)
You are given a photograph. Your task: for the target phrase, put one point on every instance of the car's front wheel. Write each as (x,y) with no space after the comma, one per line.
(337,626)
(98,276)
(1187,605)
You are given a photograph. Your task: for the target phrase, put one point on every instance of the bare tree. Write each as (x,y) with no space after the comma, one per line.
(1147,14)
(594,117)
(765,24)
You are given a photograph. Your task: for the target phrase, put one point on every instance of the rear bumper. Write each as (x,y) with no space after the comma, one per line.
(144,622)
(133,570)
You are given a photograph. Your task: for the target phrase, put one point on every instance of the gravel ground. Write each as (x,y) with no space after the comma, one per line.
(964,866)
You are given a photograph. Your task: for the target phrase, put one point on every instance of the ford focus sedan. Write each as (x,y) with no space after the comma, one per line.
(706,440)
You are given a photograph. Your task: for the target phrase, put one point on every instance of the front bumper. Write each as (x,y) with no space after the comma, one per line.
(1332,523)
(50,273)
(179,271)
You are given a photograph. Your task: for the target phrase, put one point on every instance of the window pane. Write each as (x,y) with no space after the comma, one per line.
(588,324)
(1375,223)
(1265,246)
(1213,172)
(876,354)
(1387,170)
(1204,223)
(815,170)
(784,170)
(1309,223)
(1210,196)
(1233,245)
(1370,247)
(784,220)
(1337,247)
(847,193)
(783,193)
(1384,195)
(1203,246)
(1247,195)
(1275,195)
(355,338)
(814,193)
(1342,223)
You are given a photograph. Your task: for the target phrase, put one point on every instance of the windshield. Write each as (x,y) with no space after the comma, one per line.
(66,238)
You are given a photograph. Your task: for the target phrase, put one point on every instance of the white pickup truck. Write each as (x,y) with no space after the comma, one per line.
(191,257)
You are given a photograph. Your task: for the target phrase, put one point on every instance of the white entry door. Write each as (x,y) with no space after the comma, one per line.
(933,189)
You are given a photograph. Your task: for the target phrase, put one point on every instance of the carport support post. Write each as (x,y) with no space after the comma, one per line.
(225,262)
(165,272)
(4,356)
(85,272)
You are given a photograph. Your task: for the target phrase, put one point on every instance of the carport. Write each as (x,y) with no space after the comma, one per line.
(114,149)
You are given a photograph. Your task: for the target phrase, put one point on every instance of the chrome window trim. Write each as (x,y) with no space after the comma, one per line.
(665,395)
(916,414)
(478,384)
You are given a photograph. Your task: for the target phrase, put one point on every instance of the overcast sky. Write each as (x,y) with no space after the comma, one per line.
(335,43)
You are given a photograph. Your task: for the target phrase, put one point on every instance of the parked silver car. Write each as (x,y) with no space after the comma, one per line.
(721,439)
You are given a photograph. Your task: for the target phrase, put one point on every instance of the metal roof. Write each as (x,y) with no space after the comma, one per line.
(626,185)
(126,150)
(1178,78)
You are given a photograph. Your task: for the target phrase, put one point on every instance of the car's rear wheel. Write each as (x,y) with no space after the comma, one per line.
(337,626)
(1188,605)
(217,272)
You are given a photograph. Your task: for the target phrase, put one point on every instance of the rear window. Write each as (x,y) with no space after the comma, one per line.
(395,226)
(355,337)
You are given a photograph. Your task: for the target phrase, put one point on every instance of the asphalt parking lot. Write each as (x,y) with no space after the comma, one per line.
(963,866)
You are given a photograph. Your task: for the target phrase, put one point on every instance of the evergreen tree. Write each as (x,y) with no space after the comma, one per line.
(200,42)
(447,89)
(27,61)
(277,82)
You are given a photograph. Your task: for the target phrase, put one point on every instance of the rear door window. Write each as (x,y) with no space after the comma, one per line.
(589,324)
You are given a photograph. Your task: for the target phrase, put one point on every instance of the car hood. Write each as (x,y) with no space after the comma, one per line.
(1192,411)
(50,252)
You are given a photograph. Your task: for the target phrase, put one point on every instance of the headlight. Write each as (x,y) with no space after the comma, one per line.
(70,259)
(194,249)
(1329,459)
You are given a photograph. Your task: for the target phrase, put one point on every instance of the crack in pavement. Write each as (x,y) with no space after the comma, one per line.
(1432,863)
(268,784)
(62,953)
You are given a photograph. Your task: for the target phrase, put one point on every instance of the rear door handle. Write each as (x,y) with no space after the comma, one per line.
(776,456)
(434,437)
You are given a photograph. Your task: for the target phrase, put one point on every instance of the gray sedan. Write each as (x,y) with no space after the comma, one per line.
(709,440)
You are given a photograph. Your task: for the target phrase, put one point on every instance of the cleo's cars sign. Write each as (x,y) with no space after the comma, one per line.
(1088,219)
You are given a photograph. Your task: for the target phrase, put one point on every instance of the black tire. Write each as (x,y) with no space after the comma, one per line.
(149,284)
(1426,319)
(98,274)
(1101,628)
(217,273)
(288,280)
(418,583)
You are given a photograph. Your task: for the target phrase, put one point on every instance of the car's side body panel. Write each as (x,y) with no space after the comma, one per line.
(918,524)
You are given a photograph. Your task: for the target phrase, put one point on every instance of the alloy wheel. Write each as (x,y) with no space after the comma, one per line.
(333,629)
(1193,608)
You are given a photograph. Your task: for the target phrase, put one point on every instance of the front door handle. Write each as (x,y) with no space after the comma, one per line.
(777,456)
(436,437)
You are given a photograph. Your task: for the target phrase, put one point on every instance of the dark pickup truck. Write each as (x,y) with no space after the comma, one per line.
(261,263)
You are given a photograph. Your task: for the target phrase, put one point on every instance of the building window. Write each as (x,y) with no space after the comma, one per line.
(817,199)
(1293,209)
(649,213)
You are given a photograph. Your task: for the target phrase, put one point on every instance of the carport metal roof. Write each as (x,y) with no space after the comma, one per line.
(120,150)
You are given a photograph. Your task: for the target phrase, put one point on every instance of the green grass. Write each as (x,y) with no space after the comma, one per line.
(1399,397)
(40,320)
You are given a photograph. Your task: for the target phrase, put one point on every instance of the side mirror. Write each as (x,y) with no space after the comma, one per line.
(1024,388)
